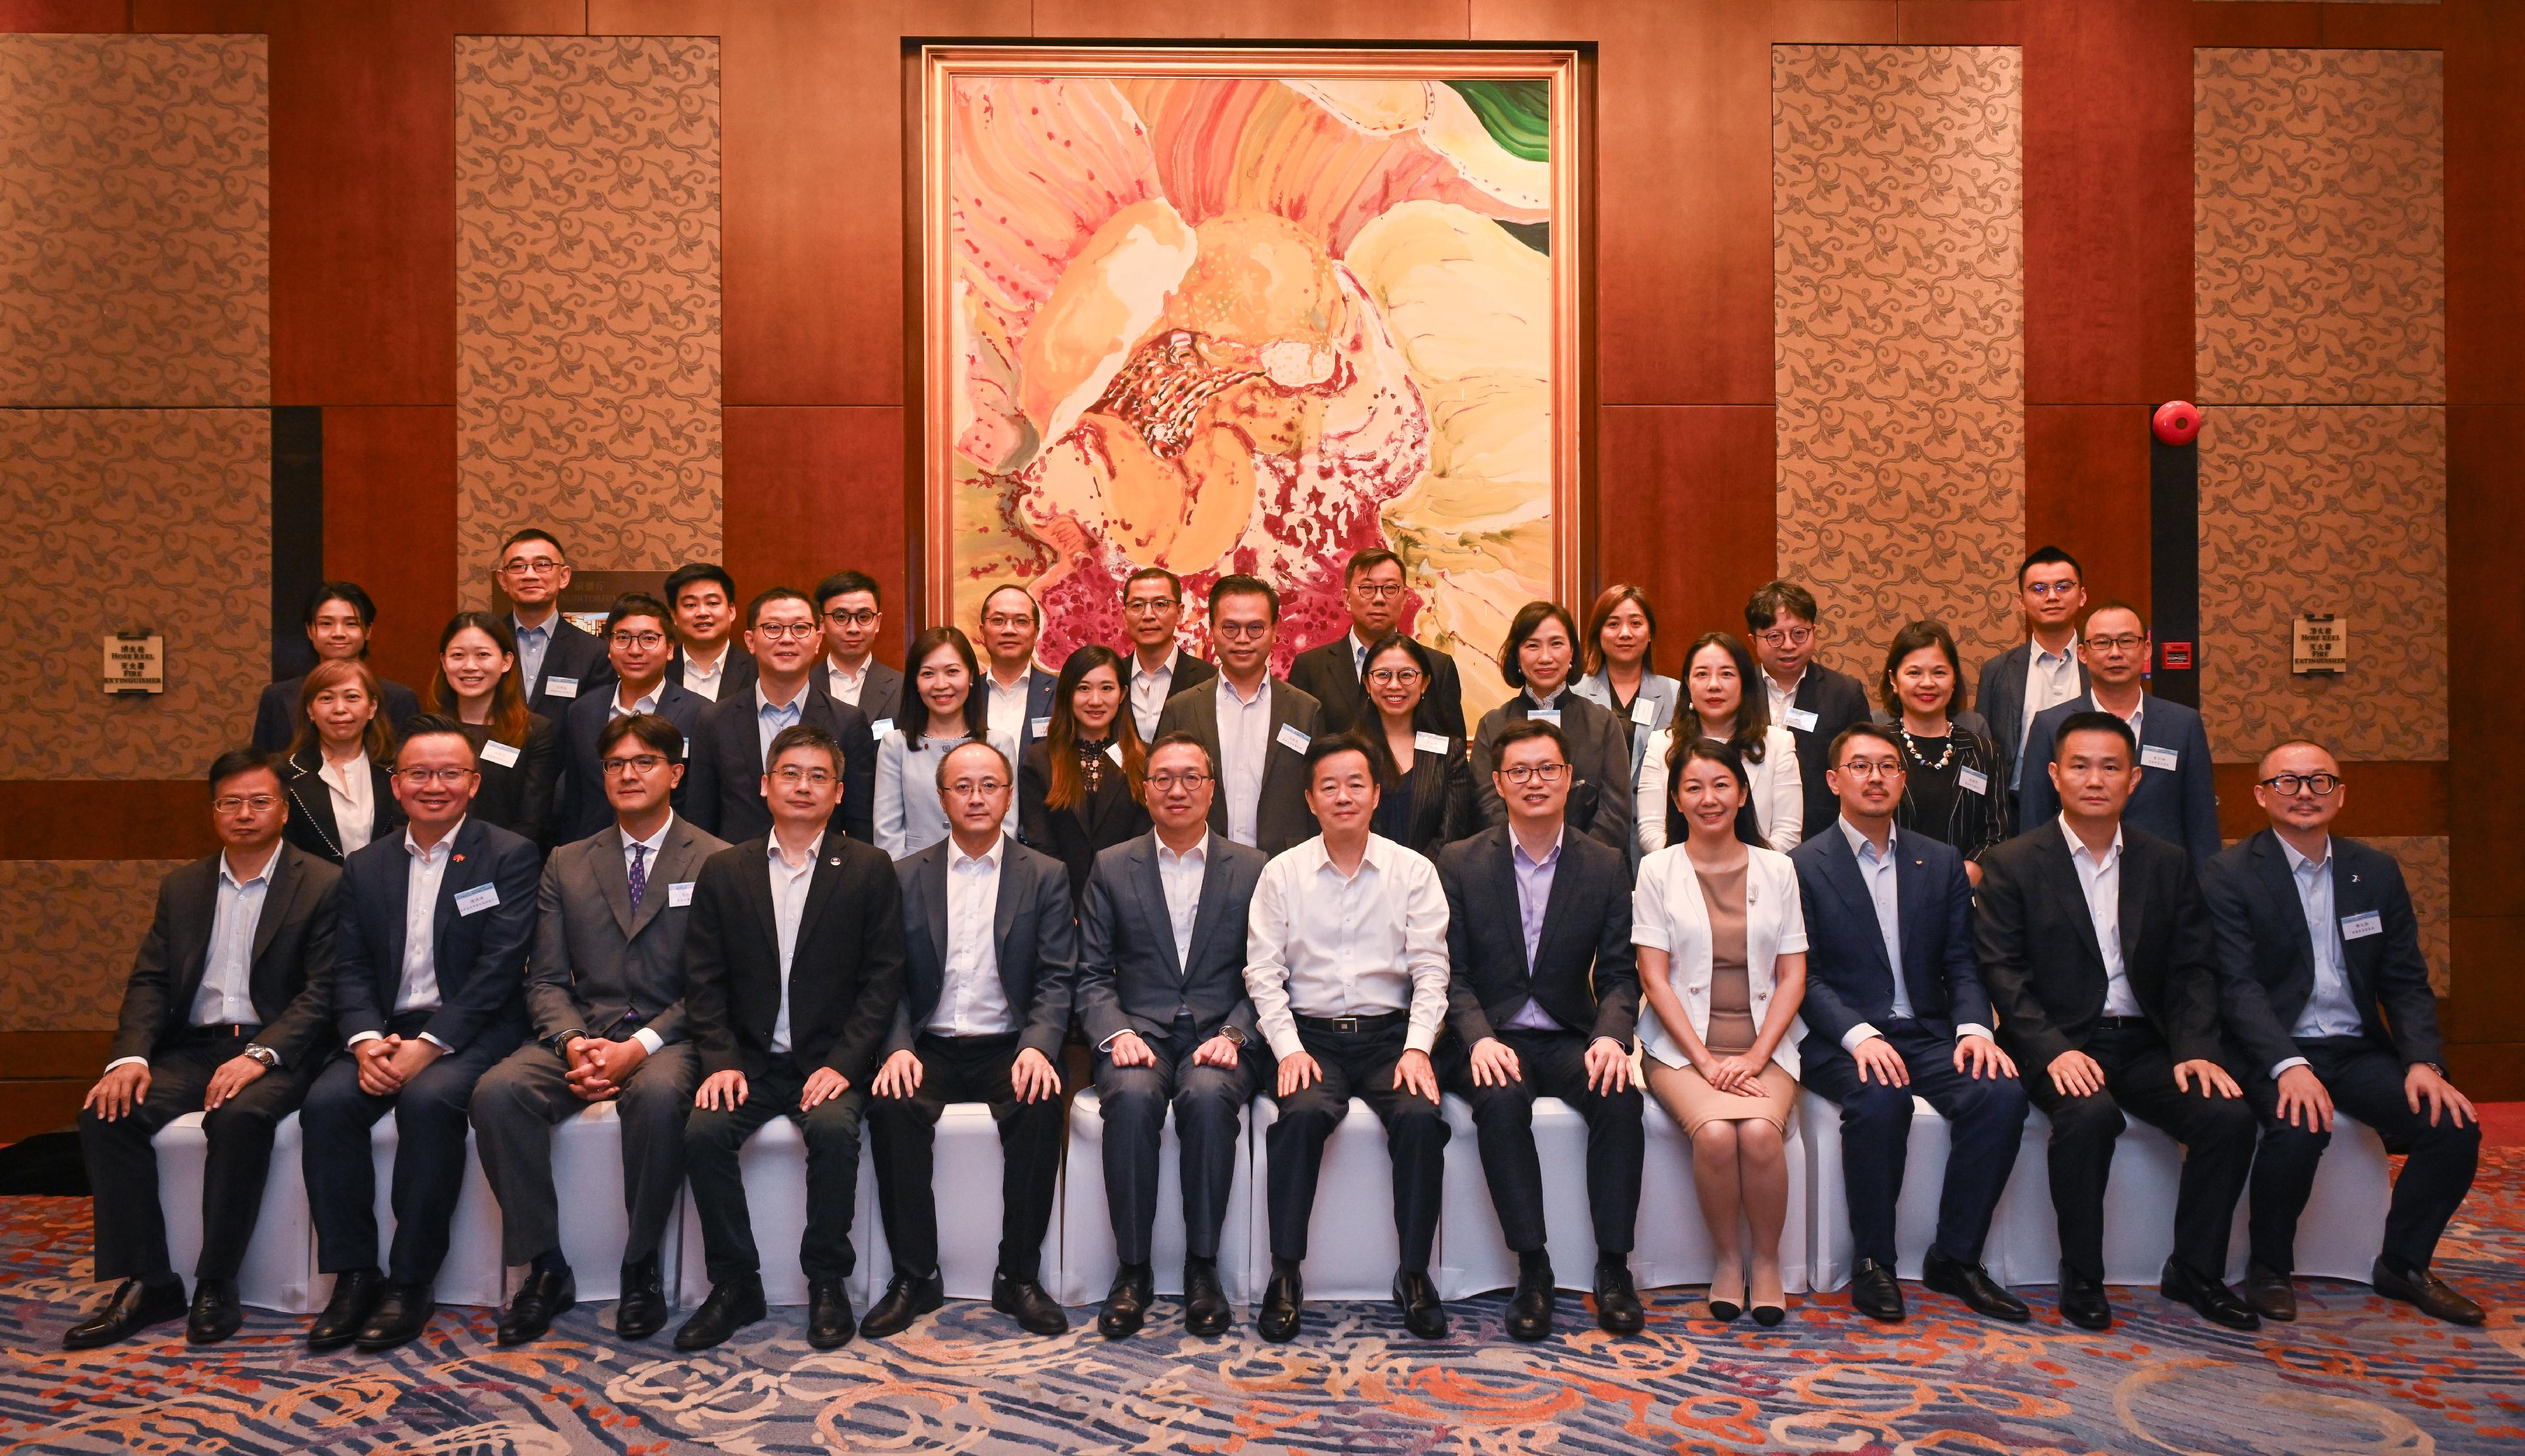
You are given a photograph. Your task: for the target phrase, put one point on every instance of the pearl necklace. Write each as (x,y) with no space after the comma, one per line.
(1921,758)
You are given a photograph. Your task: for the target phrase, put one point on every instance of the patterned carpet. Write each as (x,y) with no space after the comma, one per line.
(2355,1375)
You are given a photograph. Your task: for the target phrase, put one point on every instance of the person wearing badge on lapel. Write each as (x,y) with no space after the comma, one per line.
(1335,673)
(851,608)
(1017,695)
(735,741)
(1152,613)
(1717,675)
(2175,799)
(1424,780)
(944,713)
(638,640)
(1812,702)
(1622,678)
(428,993)
(556,659)
(1541,648)
(517,751)
(339,775)
(1079,790)
(1253,725)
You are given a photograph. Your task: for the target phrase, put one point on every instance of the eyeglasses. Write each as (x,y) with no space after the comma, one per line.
(1393,677)
(1150,605)
(978,788)
(2320,785)
(793,631)
(1378,593)
(423,778)
(1522,774)
(793,776)
(637,763)
(640,639)
(1006,621)
(866,616)
(230,803)
(530,566)
(2051,588)
(2128,642)
(1240,631)
(1871,768)
(1167,783)
(1786,636)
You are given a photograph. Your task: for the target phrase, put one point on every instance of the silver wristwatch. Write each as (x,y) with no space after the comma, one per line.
(262,1053)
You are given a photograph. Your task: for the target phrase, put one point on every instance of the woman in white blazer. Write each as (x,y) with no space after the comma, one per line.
(1714,675)
(1722,953)
(1621,636)
(941,712)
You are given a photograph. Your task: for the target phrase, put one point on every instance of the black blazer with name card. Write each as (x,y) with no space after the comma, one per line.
(1034,930)
(846,968)
(583,808)
(1077,834)
(313,825)
(1329,674)
(1847,978)
(276,713)
(289,974)
(480,957)
(880,691)
(2000,699)
(1837,700)
(1440,805)
(1585,973)
(1281,818)
(573,656)
(724,787)
(1129,977)
(522,797)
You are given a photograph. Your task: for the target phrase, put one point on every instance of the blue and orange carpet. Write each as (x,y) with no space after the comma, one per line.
(2354,1375)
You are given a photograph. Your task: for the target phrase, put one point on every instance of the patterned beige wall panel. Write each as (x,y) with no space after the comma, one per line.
(124,518)
(67,931)
(1899,309)
(587,212)
(2318,220)
(134,221)
(2426,869)
(2337,509)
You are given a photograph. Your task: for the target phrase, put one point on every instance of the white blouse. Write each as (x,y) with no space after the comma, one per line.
(354,792)
(1778,788)
(1667,914)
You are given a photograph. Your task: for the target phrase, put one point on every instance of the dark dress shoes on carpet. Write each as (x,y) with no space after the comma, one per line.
(2212,1298)
(641,1310)
(2271,1294)
(830,1324)
(730,1307)
(2426,1292)
(1875,1293)
(132,1307)
(1529,1309)
(1282,1300)
(1126,1305)
(1417,1298)
(1036,1311)
(1618,1303)
(216,1313)
(403,1311)
(1972,1284)
(545,1296)
(905,1300)
(356,1293)
(2083,1302)
(1206,1308)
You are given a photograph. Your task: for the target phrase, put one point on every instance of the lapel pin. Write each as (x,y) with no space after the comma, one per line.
(460,859)
(2354,879)
(835,861)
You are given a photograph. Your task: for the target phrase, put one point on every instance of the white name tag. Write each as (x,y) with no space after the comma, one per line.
(880,728)
(1974,781)
(1429,743)
(2361,925)
(679,894)
(1550,715)
(1291,739)
(1644,712)
(503,754)
(1114,750)
(480,898)
(561,687)
(1800,720)
(2153,758)
(1038,727)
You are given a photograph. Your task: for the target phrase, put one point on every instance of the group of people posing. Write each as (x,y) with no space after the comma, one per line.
(721,882)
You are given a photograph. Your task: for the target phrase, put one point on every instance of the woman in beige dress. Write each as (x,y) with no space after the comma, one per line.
(1722,947)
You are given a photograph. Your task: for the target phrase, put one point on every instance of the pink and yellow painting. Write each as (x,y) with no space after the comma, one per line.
(1251,312)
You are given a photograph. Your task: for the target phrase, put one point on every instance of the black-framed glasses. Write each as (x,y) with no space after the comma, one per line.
(642,640)
(2128,642)
(2320,785)
(1522,774)
(1167,783)
(642,763)
(865,617)
(1786,636)
(1393,677)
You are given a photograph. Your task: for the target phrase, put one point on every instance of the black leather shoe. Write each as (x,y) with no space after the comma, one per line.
(1875,1293)
(1206,1308)
(2426,1292)
(1417,1298)
(1036,1311)
(1126,1304)
(1529,1309)
(1618,1303)
(2215,1302)
(641,1311)
(730,1307)
(545,1296)
(830,1324)
(2083,1302)
(354,1296)
(2271,1294)
(1972,1284)
(131,1307)
(905,1300)
(1282,1300)
(216,1313)
(403,1311)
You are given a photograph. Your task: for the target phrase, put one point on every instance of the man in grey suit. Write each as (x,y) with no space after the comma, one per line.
(2175,799)
(606,993)
(1162,995)
(851,607)
(1255,727)
(2040,672)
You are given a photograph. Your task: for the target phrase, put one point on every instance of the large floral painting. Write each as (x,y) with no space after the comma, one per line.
(1240,311)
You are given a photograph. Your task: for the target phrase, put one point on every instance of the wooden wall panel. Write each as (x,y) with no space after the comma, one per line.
(390,526)
(64,17)
(1688,513)
(2485,202)
(1281,20)
(2086,492)
(106,820)
(2387,797)
(814,490)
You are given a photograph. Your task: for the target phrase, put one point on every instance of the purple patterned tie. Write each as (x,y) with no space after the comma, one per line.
(639,873)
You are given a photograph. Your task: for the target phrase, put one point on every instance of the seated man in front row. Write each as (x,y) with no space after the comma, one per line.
(2326,988)
(225,1014)
(1162,995)
(989,953)
(606,993)
(1546,990)
(1346,960)
(1895,1008)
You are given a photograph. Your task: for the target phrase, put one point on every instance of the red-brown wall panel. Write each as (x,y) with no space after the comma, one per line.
(2485,202)
(1961,23)
(2087,491)
(390,524)
(1686,513)
(812,490)
(1282,19)
(64,17)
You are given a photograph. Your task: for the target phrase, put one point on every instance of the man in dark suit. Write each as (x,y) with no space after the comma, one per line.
(1254,726)
(606,995)
(1152,613)
(2325,989)
(793,966)
(1812,702)
(990,959)
(732,749)
(2040,672)
(1162,998)
(1895,1009)
(1373,592)
(851,608)
(2101,961)
(710,662)
(338,618)
(429,992)
(1543,993)
(2175,797)
(558,661)
(225,1014)
(638,640)
(1017,695)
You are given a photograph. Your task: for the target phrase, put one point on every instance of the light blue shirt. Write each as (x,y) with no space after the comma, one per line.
(770,719)
(532,644)
(1881,873)
(226,994)
(2330,1011)
(1533,896)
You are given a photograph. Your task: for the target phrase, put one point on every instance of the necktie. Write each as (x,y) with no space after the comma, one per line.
(639,873)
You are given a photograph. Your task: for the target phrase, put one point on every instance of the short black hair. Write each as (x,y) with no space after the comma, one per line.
(1361,562)
(1174,583)
(1178,739)
(2048,556)
(1238,584)
(637,604)
(2094,720)
(239,760)
(692,571)
(534,533)
(1325,746)
(1524,729)
(652,729)
(769,595)
(803,736)
(843,583)
(432,725)
(1772,599)
(1529,619)
(1864,728)
(2115,604)
(349,592)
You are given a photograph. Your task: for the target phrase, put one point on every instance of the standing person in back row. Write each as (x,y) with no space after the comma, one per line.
(851,608)
(2175,799)
(638,636)
(1372,592)
(339,618)
(1812,702)
(1253,725)
(734,744)
(1538,659)
(1017,695)
(556,660)
(1152,613)
(710,662)
(2041,673)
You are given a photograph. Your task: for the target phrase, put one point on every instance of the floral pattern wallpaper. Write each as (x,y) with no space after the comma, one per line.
(136,209)
(2427,870)
(587,319)
(63,970)
(1899,303)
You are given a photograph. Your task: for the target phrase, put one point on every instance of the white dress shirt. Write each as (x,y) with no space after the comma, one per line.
(646,703)
(2051,679)
(972,1002)
(707,681)
(1880,874)
(770,718)
(1007,707)
(1150,691)
(1180,877)
(352,789)
(1782,699)
(789,884)
(2330,1010)
(846,684)
(1319,943)
(418,989)
(1244,750)
(2102,882)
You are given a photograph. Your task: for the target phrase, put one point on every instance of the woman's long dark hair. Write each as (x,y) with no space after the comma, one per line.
(1591,651)
(509,712)
(1752,736)
(978,707)
(1371,719)
(1068,783)
(1749,826)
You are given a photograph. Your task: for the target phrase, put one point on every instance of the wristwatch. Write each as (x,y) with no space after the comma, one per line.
(261,1053)
(1234,1035)
(558,1044)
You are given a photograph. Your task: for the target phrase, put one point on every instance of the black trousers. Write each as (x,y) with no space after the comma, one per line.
(1357,1064)
(832,1129)
(2365,1081)
(430,1155)
(515,1110)
(123,1168)
(967,1069)
(2216,1132)
(1553,1064)
(1208,1103)
(1985,1123)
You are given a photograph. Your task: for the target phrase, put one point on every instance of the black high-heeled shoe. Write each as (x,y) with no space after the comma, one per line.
(1726,1311)
(1768,1316)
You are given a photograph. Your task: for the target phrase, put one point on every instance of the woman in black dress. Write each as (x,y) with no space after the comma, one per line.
(1079,790)
(1424,780)
(517,751)
(1950,771)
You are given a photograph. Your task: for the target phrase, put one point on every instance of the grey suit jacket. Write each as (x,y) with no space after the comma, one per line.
(601,968)
(1661,693)
(1129,977)
(880,694)
(1281,818)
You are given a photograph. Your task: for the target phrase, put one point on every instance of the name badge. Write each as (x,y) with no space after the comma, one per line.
(1799,719)
(478,898)
(1114,750)
(503,754)
(1429,743)
(679,894)
(1974,781)
(1291,738)
(1038,727)
(1550,715)
(2152,757)
(1644,712)
(561,687)
(2361,926)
